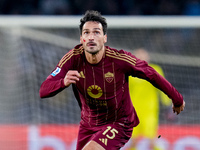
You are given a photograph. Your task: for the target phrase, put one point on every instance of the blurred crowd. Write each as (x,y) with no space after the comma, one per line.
(106,7)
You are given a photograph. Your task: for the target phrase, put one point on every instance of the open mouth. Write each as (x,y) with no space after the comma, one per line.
(91,44)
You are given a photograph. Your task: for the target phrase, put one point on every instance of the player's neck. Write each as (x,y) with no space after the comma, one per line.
(95,58)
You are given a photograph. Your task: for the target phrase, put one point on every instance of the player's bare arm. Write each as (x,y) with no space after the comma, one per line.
(178,110)
(72,76)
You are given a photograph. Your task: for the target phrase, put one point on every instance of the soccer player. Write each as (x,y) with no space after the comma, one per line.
(145,98)
(99,77)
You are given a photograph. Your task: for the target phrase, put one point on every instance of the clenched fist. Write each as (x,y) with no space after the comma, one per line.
(72,76)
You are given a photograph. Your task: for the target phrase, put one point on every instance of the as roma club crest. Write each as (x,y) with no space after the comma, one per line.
(109,77)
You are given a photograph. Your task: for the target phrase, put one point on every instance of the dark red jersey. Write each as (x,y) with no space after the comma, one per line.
(102,91)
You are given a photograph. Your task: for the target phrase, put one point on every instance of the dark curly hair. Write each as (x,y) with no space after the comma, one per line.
(92,15)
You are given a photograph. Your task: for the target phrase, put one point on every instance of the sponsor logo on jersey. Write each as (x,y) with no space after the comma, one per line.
(56,71)
(94,91)
(109,77)
(100,103)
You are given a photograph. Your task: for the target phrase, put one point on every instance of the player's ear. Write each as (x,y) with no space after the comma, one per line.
(105,38)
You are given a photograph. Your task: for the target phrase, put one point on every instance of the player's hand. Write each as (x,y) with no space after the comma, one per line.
(72,76)
(178,110)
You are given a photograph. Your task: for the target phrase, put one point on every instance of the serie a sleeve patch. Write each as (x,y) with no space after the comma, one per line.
(55,72)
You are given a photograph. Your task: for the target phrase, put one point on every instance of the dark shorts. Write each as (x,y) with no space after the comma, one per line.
(111,137)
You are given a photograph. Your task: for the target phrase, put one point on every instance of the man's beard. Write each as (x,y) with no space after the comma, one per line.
(93,52)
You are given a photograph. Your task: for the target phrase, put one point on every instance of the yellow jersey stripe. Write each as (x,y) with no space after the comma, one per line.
(121,54)
(65,57)
(124,57)
(69,55)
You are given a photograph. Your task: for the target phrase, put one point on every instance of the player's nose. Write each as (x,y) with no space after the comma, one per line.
(91,37)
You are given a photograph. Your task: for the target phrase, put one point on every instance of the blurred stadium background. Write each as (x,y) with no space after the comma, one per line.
(34,35)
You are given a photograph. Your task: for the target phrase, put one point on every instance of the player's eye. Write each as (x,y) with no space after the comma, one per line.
(86,32)
(97,32)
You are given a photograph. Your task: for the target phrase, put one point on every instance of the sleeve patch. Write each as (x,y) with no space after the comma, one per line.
(55,72)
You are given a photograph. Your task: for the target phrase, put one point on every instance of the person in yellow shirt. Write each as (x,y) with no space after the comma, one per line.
(145,99)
